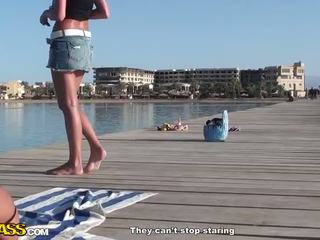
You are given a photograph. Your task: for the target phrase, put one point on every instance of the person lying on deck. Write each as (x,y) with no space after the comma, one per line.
(173,127)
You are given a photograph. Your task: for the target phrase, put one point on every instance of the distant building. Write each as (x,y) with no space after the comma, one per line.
(3,92)
(271,73)
(15,89)
(251,77)
(39,84)
(291,77)
(111,76)
(201,75)
(49,84)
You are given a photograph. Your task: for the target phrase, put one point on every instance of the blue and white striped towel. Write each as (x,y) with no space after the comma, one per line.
(69,213)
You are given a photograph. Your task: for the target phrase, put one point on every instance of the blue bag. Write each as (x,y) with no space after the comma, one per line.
(217,131)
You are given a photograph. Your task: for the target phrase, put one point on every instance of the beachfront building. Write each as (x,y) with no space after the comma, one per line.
(123,78)
(200,75)
(14,89)
(3,92)
(199,80)
(39,85)
(251,77)
(291,77)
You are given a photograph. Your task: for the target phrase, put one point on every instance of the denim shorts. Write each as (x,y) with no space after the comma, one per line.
(70,53)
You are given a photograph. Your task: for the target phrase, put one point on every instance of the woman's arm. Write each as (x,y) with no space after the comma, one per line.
(102,10)
(56,12)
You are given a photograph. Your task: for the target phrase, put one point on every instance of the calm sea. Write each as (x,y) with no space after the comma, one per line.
(29,125)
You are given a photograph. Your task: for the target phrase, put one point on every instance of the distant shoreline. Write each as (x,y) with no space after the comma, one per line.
(214,100)
(165,103)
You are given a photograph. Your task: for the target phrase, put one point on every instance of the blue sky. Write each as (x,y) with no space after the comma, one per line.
(155,34)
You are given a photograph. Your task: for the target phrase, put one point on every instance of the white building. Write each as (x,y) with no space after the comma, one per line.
(15,89)
(291,77)
(123,79)
(109,76)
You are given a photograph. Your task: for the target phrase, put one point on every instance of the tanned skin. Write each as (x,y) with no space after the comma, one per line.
(8,213)
(66,86)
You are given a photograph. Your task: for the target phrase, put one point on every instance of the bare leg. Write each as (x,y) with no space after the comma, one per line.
(66,90)
(97,152)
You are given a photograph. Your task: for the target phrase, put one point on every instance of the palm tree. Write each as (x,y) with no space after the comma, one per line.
(220,88)
(27,88)
(131,87)
(194,87)
(86,90)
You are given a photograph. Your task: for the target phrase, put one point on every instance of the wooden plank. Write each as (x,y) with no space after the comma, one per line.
(264,181)
(122,228)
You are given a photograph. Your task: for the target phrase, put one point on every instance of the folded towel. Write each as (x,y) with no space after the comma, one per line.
(69,213)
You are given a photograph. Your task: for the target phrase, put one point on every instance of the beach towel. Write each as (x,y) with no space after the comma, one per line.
(69,213)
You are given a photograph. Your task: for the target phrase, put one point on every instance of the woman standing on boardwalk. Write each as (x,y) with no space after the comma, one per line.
(69,58)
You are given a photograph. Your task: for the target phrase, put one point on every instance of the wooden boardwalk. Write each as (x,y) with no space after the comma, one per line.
(264,182)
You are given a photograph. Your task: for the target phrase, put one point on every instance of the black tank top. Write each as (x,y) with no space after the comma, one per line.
(79,9)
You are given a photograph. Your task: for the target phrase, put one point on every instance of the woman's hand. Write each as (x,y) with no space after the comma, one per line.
(56,12)
(102,10)
(44,18)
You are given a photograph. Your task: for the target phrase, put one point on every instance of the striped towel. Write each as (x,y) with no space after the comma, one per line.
(69,213)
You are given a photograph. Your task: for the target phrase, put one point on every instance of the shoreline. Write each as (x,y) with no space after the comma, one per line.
(188,120)
(214,100)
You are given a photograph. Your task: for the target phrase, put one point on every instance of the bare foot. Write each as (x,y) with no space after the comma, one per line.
(95,160)
(66,169)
